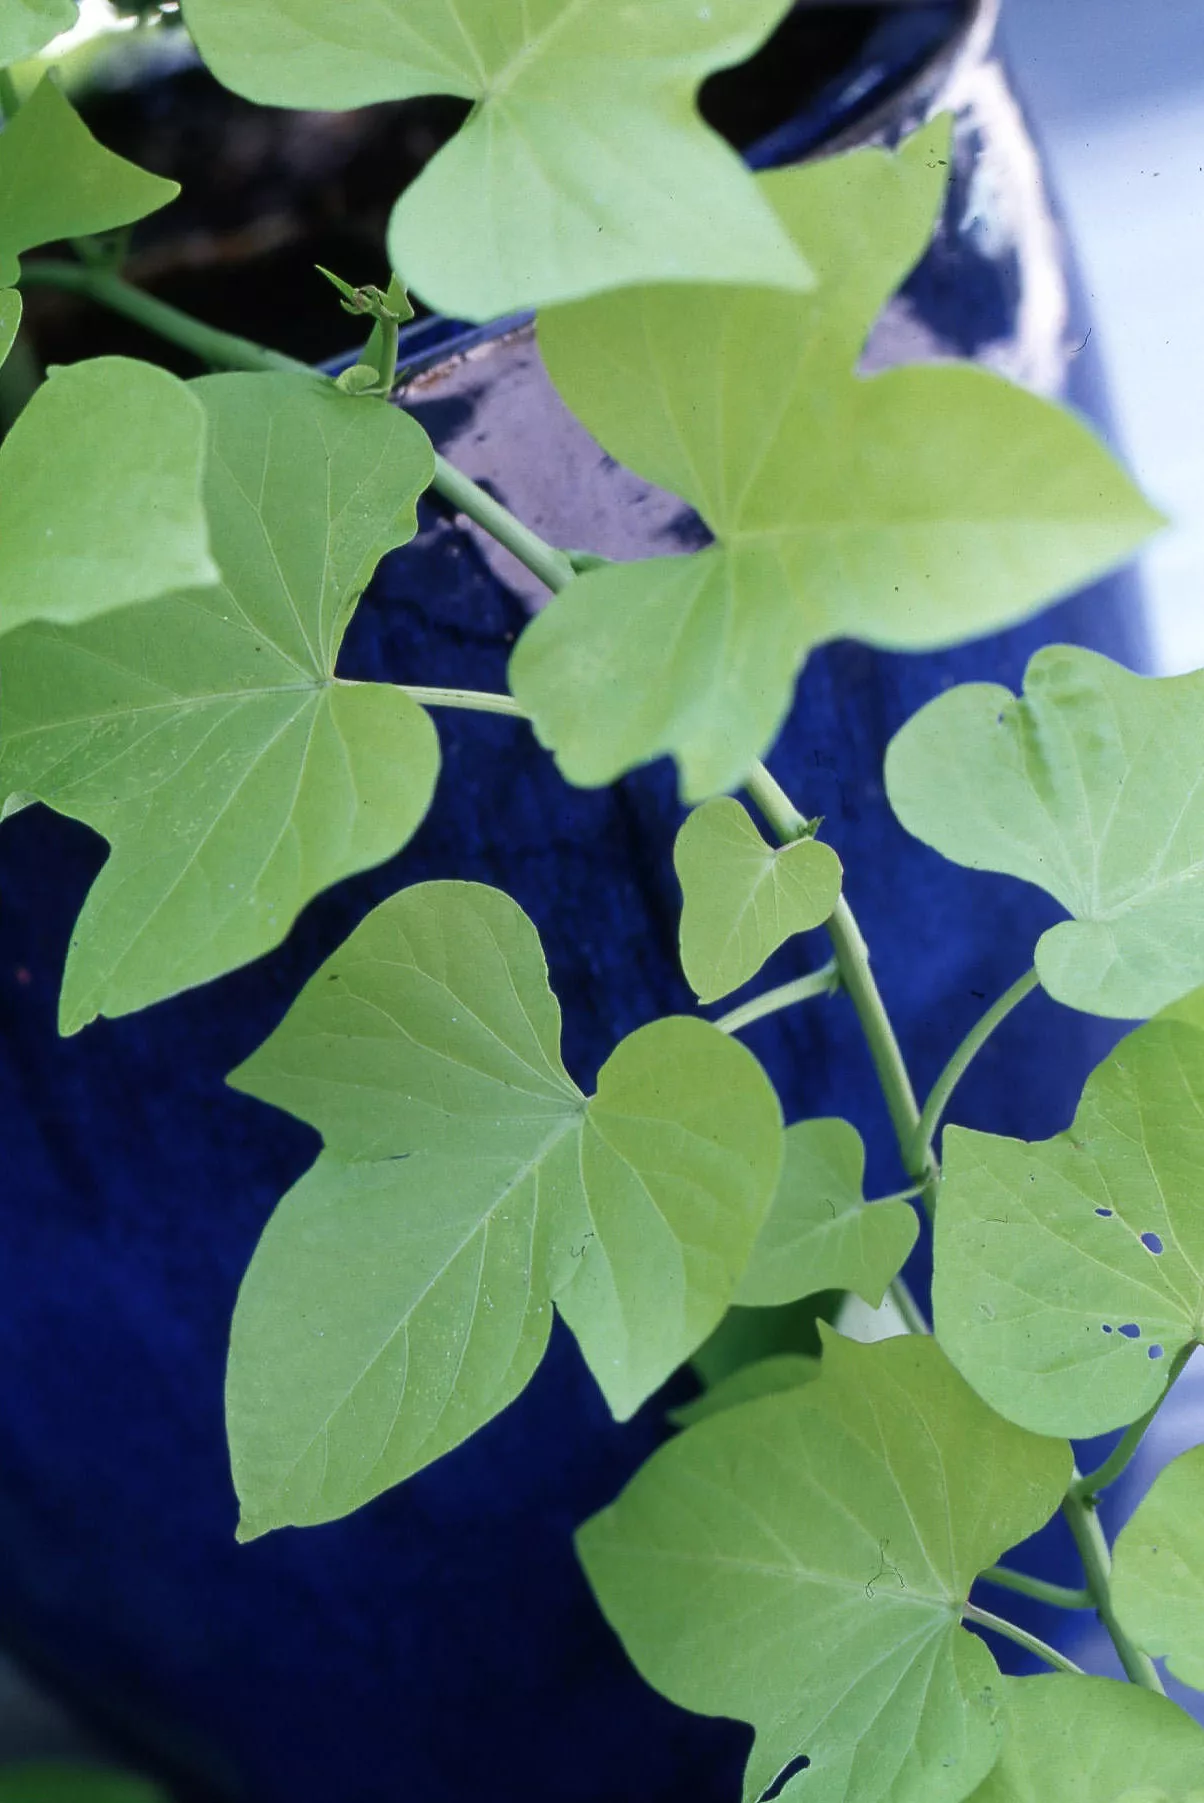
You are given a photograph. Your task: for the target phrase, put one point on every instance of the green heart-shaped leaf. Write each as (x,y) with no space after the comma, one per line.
(10,320)
(1158,1569)
(56,181)
(1092,1740)
(1090,787)
(27,26)
(401,1295)
(742,899)
(100,494)
(584,164)
(819,1233)
(205,734)
(768,1377)
(909,510)
(802,1563)
(1069,1273)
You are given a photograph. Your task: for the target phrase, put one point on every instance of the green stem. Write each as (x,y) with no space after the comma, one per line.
(777,806)
(551,566)
(1097,1567)
(804,989)
(910,1312)
(222,350)
(963,1057)
(1056,1594)
(226,351)
(1121,1456)
(476,701)
(1023,1638)
(852,956)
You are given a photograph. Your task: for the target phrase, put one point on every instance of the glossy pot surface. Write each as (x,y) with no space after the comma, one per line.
(442,1643)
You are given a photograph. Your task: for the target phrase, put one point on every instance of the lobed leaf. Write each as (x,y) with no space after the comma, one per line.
(1070,1273)
(56,181)
(402,1293)
(100,495)
(909,510)
(1092,1740)
(819,1233)
(205,734)
(802,1563)
(27,26)
(1158,1570)
(1090,787)
(10,320)
(742,898)
(584,163)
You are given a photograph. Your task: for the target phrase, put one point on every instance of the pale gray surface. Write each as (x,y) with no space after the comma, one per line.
(1116,88)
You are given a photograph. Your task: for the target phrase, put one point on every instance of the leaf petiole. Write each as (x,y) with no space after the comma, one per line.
(475,701)
(963,1057)
(1117,1462)
(817,983)
(1050,1655)
(1096,1555)
(1057,1595)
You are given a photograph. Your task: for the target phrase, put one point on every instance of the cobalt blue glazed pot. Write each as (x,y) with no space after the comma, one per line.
(442,1643)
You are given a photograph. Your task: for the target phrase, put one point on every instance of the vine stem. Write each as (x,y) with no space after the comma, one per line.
(1023,1638)
(224,350)
(1096,1555)
(1056,1594)
(474,701)
(805,989)
(1122,1454)
(964,1056)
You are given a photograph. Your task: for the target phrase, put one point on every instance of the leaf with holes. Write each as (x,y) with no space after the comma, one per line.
(741,898)
(402,1293)
(100,495)
(27,26)
(768,1377)
(56,181)
(909,510)
(819,1234)
(1089,786)
(10,320)
(584,163)
(802,1563)
(205,734)
(1092,1740)
(1158,1572)
(1069,1273)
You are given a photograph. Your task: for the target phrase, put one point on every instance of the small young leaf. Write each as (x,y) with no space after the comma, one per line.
(52,1782)
(204,734)
(1069,1273)
(768,1377)
(100,494)
(10,320)
(1158,1569)
(1092,1740)
(56,181)
(819,1234)
(584,164)
(401,1295)
(27,26)
(802,1563)
(742,899)
(1090,787)
(909,510)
